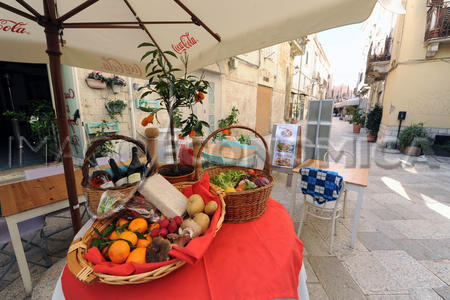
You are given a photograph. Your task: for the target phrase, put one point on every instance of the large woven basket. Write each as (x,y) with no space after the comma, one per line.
(93,194)
(83,269)
(246,205)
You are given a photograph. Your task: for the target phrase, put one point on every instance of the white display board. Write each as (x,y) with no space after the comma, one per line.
(285,139)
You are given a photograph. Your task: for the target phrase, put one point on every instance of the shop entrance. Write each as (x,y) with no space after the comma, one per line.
(27,118)
(263,109)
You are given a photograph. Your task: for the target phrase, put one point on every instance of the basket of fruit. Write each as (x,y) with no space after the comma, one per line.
(247,190)
(132,248)
(123,179)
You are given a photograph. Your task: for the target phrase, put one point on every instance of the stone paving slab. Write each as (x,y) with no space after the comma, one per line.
(444,292)
(316,292)
(336,281)
(440,268)
(422,229)
(376,241)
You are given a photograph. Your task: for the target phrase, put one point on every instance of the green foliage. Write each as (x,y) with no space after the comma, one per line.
(245,139)
(193,123)
(115,107)
(358,118)
(107,147)
(116,80)
(229,120)
(174,92)
(98,76)
(374,120)
(177,118)
(414,135)
(40,119)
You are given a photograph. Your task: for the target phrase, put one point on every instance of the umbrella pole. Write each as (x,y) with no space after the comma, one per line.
(54,54)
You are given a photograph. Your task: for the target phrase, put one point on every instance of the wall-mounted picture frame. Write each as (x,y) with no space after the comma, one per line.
(95,127)
(147,103)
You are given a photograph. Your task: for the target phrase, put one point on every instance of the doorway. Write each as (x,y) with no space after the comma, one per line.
(263,109)
(26,116)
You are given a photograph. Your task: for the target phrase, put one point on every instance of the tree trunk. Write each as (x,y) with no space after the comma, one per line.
(172,139)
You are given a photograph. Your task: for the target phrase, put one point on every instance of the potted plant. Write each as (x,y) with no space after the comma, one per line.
(115,107)
(229,120)
(96,80)
(373,122)
(174,93)
(358,120)
(116,82)
(413,139)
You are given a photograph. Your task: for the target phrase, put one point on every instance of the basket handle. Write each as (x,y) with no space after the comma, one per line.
(91,150)
(199,154)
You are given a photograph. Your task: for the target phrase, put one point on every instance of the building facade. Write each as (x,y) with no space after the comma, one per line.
(410,72)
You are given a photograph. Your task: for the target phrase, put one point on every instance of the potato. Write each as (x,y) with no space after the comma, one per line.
(192,226)
(202,220)
(211,208)
(195,204)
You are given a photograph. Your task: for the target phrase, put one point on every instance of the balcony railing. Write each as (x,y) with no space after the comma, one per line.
(385,55)
(438,20)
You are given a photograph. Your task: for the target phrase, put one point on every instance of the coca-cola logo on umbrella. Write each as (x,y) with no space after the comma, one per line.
(185,43)
(12,26)
(112,65)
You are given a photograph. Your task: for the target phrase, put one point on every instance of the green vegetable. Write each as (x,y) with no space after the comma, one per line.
(228,179)
(249,185)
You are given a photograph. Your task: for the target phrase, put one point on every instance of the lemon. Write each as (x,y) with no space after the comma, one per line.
(230,190)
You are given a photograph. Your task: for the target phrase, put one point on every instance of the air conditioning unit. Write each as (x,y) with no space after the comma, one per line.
(233,63)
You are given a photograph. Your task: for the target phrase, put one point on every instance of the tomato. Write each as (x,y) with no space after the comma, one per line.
(251,172)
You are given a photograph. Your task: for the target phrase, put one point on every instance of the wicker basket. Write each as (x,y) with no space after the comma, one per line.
(93,194)
(246,205)
(83,269)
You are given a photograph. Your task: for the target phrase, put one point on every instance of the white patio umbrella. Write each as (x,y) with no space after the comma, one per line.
(104,35)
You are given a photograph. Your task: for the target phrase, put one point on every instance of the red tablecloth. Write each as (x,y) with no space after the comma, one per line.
(253,260)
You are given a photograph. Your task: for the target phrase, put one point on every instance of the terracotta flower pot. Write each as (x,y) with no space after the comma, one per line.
(186,173)
(371,138)
(95,83)
(356,128)
(412,150)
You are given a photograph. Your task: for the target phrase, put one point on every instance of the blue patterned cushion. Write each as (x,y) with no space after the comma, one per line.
(320,184)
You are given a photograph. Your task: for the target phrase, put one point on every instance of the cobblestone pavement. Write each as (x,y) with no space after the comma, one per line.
(403,246)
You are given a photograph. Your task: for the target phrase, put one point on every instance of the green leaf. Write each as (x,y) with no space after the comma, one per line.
(145,55)
(97,232)
(139,235)
(171,53)
(95,242)
(108,230)
(146,45)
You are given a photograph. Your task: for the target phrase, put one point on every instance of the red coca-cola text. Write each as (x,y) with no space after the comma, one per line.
(112,65)
(12,26)
(185,43)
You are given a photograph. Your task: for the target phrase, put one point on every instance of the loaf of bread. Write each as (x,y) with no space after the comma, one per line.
(164,196)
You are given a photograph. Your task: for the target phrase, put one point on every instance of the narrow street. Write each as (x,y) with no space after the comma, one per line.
(403,241)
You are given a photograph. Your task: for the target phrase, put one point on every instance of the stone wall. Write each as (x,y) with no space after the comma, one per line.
(388,134)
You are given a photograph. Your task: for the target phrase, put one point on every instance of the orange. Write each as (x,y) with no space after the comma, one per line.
(150,118)
(138,225)
(137,256)
(129,236)
(143,243)
(192,133)
(113,235)
(122,222)
(149,238)
(201,96)
(144,122)
(119,251)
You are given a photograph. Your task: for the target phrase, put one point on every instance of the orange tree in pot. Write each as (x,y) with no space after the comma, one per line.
(373,122)
(174,93)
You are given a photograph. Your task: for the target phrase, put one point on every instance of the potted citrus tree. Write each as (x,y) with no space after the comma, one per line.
(413,139)
(373,122)
(174,93)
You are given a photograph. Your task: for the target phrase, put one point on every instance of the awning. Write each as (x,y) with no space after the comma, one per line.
(349,102)
(104,35)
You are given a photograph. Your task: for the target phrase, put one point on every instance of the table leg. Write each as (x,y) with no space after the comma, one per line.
(294,184)
(356,216)
(20,254)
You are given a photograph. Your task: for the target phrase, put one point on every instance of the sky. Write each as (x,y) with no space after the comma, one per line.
(343,47)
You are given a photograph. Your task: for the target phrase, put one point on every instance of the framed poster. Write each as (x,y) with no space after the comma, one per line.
(285,140)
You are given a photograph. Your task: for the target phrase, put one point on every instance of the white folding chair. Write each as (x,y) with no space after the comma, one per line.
(325,210)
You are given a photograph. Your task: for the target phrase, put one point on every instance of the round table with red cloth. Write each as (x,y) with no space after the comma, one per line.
(260,259)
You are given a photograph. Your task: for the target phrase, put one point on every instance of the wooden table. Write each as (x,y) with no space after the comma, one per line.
(24,200)
(356,179)
(230,152)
